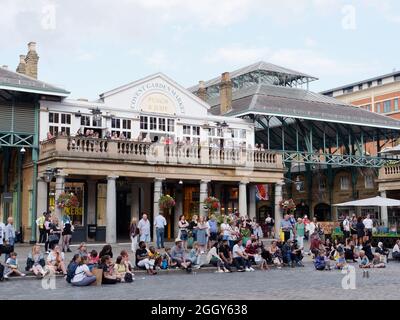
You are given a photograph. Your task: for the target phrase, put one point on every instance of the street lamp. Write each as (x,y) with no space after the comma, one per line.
(49,174)
(23,150)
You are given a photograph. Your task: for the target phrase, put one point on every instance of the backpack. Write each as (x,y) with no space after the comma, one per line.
(71,271)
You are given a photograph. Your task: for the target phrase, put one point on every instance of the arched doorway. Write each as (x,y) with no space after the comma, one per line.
(322,212)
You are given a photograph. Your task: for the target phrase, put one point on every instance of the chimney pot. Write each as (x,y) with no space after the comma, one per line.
(22,58)
(225,93)
(32,46)
(202,92)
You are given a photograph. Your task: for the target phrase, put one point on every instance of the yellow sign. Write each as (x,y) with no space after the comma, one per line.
(73,211)
(158,103)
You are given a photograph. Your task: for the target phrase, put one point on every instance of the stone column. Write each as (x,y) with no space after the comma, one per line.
(178,210)
(156,198)
(384,212)
(111,215)
(203,196)
(42,191)
(252,202)
(60,185)
(242,198)
(278,215)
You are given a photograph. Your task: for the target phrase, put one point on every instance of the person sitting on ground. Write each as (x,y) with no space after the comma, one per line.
(276,254)
(106,251)
(166,259)
(11,268)
(178,255)
(55,261)
(382,251)
(396,250)
(214,258)
(364,261)
(156,256)
(368,249)
(93,259)
(349,251)
(121,269)
(297,255)
(320,262)
(341,261)
(143,260)
(194,254)
(83,276)
(82,250)
(225,253)
(251,251)
(35,262)
(316,244)
(240,257)
(109,276)
(377,261)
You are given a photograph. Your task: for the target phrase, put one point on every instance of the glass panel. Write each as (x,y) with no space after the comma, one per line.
(101,204)
(76,214)
(186,130)
(143,123)
(171,125)
(161,124)
(153,123)
(196,131)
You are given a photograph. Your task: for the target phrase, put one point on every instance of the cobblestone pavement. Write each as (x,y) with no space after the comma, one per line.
(297,283)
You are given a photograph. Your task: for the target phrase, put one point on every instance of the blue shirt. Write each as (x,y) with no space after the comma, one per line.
(213,226)
(286,225)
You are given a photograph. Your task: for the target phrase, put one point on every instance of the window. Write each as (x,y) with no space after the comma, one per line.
(186,130)
(101,204)
(196,131)
(397,78)
(348,90)
(360,87)
(126,124)
(143,123)
(379,82)
(344,183)
(396,104)
(378,108)
(243,134)
(191,133)
(116,126)
(322,184)
(85,121)
(370,84)
(387,106)
(59,123)
(369,182)
(115,123)
(96,123)
(171,125)
(161,124)
(153,123)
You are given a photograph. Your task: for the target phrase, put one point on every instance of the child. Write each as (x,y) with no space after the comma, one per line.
(364,263)
(153,254)
(320,261)
(194,253)
(377,261)
(340,261)
(167,261)
(12,266)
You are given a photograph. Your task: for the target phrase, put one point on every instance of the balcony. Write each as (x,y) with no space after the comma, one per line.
(75,148)
(391,171)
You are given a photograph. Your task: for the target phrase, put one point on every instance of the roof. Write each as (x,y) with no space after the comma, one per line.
(392,74)
(10,80)
(261,65)
(302,104)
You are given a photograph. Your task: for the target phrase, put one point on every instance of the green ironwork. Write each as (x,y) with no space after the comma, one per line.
(16,139)
(35,158)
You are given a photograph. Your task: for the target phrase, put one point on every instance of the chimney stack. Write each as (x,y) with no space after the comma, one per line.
(32,60)
(202,92)
(22,64)
(225,93)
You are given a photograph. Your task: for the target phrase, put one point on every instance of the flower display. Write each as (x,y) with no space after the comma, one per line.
(211,204)
(166,202)
(67,200)
(288,206)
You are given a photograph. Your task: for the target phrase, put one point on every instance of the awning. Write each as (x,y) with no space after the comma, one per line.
(371,202)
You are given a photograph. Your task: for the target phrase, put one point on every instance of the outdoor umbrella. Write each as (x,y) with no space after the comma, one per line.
(371,202)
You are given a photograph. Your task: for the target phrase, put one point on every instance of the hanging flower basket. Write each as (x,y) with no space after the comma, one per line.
(67,200)
(211,204)
(166,202)
(288,206)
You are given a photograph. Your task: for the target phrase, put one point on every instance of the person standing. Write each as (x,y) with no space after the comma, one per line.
(346,227)
(360,232)
(144,229)
(368,223)
(269,221)
(202,234)
(159,224)
(10,235)
(2,234)
(299,227)
(134,234)
(42,230)
(66,234)
(183,230)
(286,227)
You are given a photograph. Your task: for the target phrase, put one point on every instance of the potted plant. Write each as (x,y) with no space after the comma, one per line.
(67,200)
(212,205)
(166,203)
(288,206)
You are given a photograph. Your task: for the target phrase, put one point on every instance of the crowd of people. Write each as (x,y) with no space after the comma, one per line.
(229,243)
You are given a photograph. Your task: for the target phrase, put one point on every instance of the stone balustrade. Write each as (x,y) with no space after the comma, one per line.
(153,153)
(389,172)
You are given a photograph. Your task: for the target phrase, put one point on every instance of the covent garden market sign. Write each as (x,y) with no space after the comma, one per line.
(157,97)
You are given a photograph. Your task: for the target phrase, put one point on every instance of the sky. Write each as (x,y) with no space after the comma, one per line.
(92,46)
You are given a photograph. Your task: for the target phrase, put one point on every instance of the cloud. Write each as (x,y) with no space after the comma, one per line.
(301,59)
(85,56)
(157,60)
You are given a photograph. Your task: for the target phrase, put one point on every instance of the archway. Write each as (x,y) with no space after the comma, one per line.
(322,212)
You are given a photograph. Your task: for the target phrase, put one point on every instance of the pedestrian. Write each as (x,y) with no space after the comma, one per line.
(286,227)
(202,234)
(213,229)
(368,224)
(360,232)
(144,228)
(2,235)
(66,234)
(300,228)
(269,221)
(55,233)
(47,224)
(193,227)
(42,230)
(134,234)
(353,228)
(346,227)
(159,224)
(396,250)
(183,230)
(10,235)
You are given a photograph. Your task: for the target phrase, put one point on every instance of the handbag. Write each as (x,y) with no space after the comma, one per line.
(281,235)
(128,277)
(53,238)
